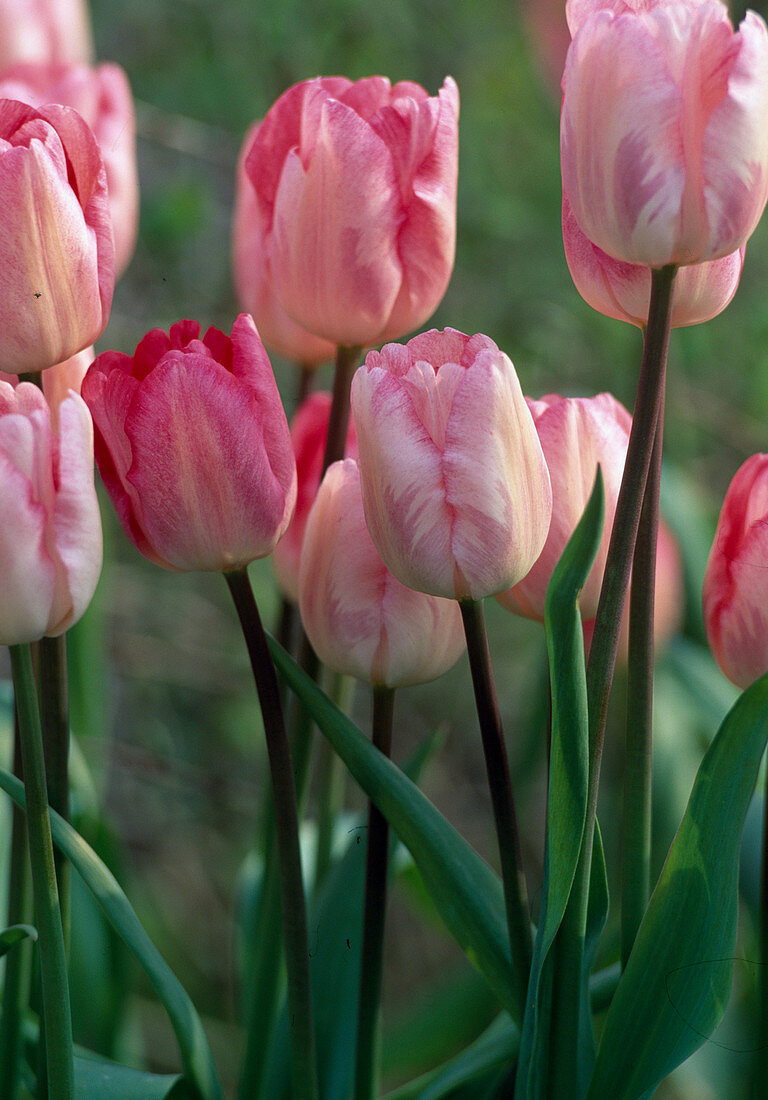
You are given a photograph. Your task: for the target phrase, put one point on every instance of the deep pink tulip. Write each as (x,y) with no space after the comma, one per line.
(50,531)
(735,606)
(356,186)
(360,619)
(103,97)
(57,265)
(193,446)
(44,30)
(253,276)
(623,290)
(576,433)
(456,490)
(309,430)
(664,144)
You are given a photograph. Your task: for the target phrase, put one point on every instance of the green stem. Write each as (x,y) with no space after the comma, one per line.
(53,967)
(303,1062)
(761,1060)
(54,698)
(374,913)
(497,766)
(346,362)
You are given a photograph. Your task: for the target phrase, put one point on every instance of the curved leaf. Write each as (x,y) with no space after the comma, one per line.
(15,934)
(95,1077)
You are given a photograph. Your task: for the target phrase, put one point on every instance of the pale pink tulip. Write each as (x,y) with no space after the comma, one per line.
(356,187)
(44,30)
(664,144)
(50,533)
(735,605)
(57,267)
(456,490)
(360,620)
(193,446)
(309,430)
(59,380)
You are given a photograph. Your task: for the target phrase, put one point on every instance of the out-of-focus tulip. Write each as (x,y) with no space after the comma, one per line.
(360,619)
(664,146)
(44,30)
(623,290)
(103,97)
(59,380)
(193,446)
(456,489)
(548,30)
(252,273)
(309,430)
(576,433)
(50,534)
(356,187)
(57,265)
(735,606)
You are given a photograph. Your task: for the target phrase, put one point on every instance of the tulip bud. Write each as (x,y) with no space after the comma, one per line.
(59,380)
(44,30)
(735,608)
(356,187)
(360,620)
(663,141)
(309,430)
(50,534)
(193,446)
(57,268)
(456,490)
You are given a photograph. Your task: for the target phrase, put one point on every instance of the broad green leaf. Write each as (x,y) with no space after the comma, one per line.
(568,782)
(465,890)
(195,1052)
(676,984)
(15,934)
(95,1078)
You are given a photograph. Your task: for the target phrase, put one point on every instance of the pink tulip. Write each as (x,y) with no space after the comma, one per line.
(623,290)
(50,534)
(309,429)
(57,269)
(456,490)
(193,446)
(103,97)
(360,620)
(735,607)
(59,380)
(44,30)
(356,188)
(664,145)
(253,276)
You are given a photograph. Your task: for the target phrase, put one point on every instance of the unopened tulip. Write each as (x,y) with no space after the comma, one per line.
(57,267)
(735,606)
(193,446)
(356,190)
(50,534)
(309,430)
(360,619)
(59,380)
(621,290)
(456,490)
(103,97)
(664,146)
(44,30)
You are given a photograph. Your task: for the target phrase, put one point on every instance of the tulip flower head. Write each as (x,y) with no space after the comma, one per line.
(193,446)
(50,534)
(44,30)
(456,489)
(355,187)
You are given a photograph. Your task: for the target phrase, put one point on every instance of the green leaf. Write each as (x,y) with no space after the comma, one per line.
(677,981)
(568,782)
(195,1052)
(466,892)
(109,1081)
(15,934)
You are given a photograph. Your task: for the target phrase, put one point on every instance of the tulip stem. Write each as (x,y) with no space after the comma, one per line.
(53,966)
(761,1060)
(347,359)
(500,783)
(303,1061)
(54,698)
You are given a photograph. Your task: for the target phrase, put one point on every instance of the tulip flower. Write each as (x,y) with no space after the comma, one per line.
(56,251)
(664,146)
(50,534)
(355,185)
(59,380)
(735,609)
(44,30)
(456,489)
(309,429)
(193,446)
(360,619)
(102,96)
